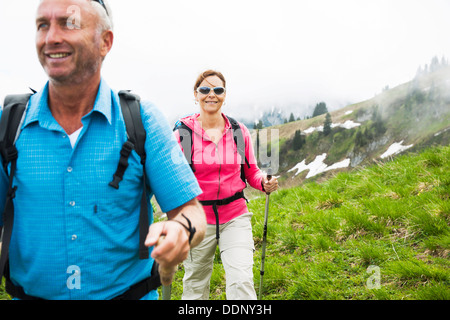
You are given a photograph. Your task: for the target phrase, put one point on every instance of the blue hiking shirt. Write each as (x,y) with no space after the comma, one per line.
(74,236)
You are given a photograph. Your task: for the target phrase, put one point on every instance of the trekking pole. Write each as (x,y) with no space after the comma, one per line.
(166,292)
(263,257)
(166,277)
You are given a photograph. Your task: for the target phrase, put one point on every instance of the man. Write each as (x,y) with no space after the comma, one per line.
(75,236)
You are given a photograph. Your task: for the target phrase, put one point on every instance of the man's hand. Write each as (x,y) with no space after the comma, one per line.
(171,243)
(171,239)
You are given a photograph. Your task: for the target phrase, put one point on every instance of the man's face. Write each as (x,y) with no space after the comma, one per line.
(68,41)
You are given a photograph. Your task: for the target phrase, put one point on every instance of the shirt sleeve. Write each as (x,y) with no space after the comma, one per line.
(170,177)
(253,174)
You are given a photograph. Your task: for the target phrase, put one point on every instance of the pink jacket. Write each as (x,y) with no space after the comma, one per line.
(218,168)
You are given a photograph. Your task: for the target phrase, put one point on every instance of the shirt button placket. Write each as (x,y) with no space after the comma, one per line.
(72,229)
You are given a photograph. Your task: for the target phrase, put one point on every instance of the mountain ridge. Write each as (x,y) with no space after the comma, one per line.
(408,117)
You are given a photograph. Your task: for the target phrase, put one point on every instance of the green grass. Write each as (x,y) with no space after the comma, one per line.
(324,239)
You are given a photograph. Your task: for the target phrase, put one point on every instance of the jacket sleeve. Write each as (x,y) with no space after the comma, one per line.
(253,174)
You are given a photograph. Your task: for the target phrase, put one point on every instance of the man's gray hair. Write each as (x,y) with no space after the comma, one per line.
(106,21)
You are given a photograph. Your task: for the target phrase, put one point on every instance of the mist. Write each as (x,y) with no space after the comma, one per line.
(284,54)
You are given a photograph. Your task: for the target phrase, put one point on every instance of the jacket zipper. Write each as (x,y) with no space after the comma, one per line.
(220,169)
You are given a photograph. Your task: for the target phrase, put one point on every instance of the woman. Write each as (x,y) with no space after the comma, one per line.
(217,165)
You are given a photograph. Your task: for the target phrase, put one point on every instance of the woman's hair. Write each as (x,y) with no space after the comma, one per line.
(206,74)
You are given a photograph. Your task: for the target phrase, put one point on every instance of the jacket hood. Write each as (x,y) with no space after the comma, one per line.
(190,120)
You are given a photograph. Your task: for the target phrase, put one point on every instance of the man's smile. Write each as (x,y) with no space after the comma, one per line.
(58,55)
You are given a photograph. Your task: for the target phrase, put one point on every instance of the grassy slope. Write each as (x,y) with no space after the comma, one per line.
(411,112)
(322,238)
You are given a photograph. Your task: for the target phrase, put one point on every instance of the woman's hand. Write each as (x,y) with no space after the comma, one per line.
(270,185)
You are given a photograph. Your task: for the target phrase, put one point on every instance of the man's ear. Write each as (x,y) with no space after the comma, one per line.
(107,42)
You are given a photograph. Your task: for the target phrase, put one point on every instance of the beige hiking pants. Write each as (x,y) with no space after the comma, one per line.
(236,250)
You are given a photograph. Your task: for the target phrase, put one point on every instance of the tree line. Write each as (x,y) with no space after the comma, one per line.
(319,109)
(435,65)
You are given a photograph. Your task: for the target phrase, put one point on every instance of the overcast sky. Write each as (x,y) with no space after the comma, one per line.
(283,53)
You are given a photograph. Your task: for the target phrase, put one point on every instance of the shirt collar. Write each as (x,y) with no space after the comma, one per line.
(38,109)
(103,101)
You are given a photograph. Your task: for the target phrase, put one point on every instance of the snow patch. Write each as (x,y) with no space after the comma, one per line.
(318,166)
(312,129)
(349,124)
(395,148)
(440,132)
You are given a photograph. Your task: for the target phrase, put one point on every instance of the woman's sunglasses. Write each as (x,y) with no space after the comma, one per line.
(206,90)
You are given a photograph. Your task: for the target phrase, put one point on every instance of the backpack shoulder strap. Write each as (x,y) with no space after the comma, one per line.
(12,117)
(131,109)
(238,138)
(185,140)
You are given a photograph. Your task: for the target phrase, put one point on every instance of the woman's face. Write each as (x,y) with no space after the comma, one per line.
(211,102)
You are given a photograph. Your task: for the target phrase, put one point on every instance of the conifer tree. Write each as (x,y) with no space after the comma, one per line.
(321,108)
(327,125)
(291,117)
(298,140)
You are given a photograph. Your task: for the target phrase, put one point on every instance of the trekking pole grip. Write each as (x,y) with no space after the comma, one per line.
(166,274)
(269,174)
(269,177)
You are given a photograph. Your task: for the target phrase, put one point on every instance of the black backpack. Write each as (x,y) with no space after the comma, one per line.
(10,124)
(186,140)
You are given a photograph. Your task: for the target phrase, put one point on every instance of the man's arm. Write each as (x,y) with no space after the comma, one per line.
(174,248)
(192,211)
